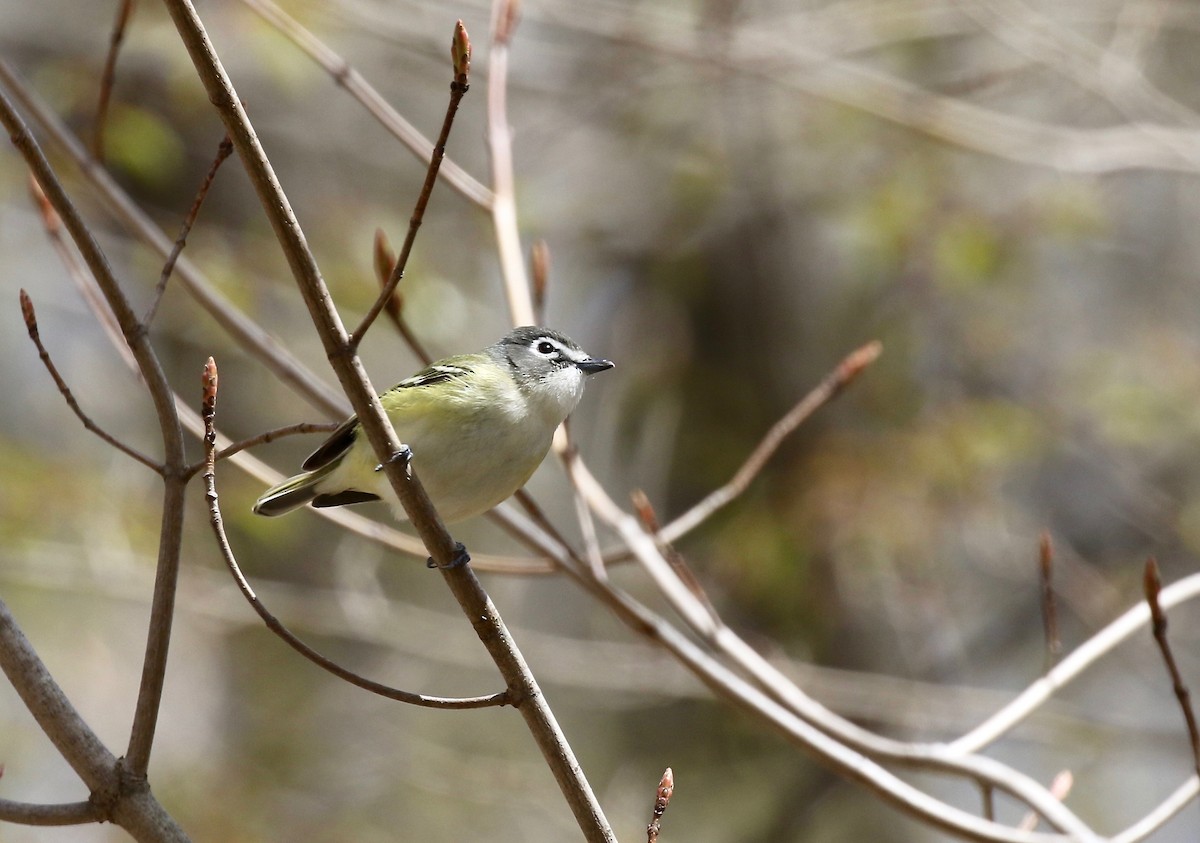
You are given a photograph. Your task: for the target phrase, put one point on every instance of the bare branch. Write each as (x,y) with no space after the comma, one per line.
(108,75)
(245,331)
(540,265)
(499,139)
(1072,666)
(224,150)
(1158,624)
(68,813)
(126,802)
(830,386)
(460,54)
(31,325)
(1049,607)
(782,691)
(271,435)
(145,718)
(209,382)
(444,551)
(352,81)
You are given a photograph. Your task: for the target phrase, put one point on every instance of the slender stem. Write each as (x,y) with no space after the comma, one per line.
(109,74)
(224,150)
(162,611)
(1049,605)
(352,81)
(458,89)
(832,384)
(1158,625)
(244,330)
(31,326)
(499,139)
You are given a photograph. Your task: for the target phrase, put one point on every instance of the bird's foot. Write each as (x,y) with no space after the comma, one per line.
(404,455)
(460,558)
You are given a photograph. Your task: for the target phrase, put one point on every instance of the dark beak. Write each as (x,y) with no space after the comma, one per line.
(594,364)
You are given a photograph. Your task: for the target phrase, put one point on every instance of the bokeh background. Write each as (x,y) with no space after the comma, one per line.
(735,195)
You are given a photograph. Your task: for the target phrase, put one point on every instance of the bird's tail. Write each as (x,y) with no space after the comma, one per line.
(292,493)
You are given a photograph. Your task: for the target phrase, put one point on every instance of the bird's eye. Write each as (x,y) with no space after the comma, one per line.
(546,347)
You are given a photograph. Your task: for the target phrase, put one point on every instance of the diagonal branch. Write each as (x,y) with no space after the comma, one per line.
(352,81)
(1158,625)
(830,386)
(31,325)
(224,150)
(174,470)
(461,53)
(444,551)
(209,380)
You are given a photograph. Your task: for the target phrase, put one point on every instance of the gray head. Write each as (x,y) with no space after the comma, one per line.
(548,367)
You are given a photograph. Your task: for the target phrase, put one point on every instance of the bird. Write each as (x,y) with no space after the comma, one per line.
(477,425)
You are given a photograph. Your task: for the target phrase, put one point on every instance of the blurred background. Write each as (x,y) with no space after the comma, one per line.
(735,195)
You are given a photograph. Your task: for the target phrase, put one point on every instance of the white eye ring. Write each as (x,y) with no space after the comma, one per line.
(546,348)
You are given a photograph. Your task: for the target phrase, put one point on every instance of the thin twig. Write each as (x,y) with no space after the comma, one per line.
(278,433)
(499,140)
(209,382)
(345,76)
(109,75)
(460,53)
(587,524)
(1071,667)
(224,150)
(1049,606)
(247,333)
(81,278)
(988,794)
(781,691)
(154,665)
(830,386)
(385,261)
(1158,624)
(649,518)
(662,798)
(31,326)
(1059,789)
(540,272)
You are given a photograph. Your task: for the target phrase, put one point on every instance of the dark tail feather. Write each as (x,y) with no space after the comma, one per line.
(292,493)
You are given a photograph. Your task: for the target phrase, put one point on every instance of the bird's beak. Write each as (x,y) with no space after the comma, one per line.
(591,365)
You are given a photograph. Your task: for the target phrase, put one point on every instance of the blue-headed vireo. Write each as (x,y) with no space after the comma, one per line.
(478,426)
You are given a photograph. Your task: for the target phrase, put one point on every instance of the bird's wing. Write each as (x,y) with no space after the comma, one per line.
(343,437)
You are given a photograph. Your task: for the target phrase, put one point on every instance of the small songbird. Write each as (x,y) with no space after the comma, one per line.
(478,426)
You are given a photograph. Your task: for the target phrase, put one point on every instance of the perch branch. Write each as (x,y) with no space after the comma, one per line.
(405,483)
(209,381)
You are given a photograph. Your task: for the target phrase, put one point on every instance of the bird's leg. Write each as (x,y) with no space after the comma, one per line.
(404,455)
(460,558)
